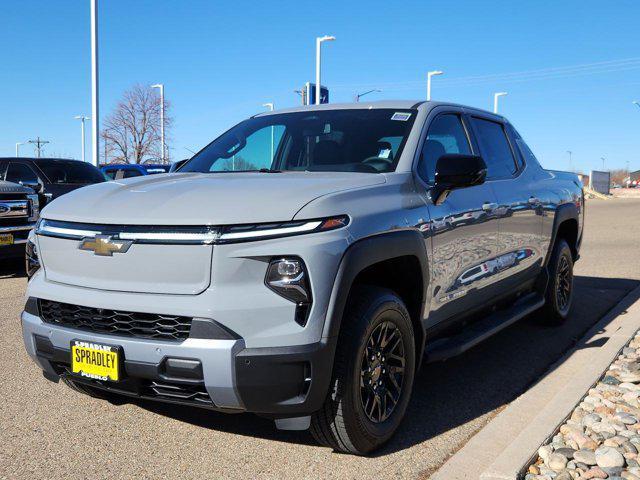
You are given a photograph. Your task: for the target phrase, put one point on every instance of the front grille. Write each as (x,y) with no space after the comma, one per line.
(115,322)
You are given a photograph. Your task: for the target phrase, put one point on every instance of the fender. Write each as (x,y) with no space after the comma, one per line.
(365,253)
(566,211)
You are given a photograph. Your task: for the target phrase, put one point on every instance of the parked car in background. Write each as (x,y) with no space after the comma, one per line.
(19,210)
(119,171)
(49,177)
(287,270)
(175,166)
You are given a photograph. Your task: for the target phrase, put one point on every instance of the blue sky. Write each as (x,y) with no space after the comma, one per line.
(220,61)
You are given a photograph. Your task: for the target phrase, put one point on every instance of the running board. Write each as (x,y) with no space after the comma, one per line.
(475,333)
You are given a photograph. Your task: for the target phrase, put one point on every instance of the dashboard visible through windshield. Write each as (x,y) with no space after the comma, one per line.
(356,140)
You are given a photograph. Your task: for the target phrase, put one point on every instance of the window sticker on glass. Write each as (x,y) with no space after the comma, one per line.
(384,153)
(401,116)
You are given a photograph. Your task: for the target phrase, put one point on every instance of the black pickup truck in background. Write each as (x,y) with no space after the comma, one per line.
(49,177)
(19,210)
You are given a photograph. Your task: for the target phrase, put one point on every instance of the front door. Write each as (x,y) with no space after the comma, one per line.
(462,230)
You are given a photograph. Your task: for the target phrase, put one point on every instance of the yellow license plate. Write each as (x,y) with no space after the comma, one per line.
(95,361)
(6,239)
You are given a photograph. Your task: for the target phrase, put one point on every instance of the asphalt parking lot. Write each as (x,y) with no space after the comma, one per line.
(48,431)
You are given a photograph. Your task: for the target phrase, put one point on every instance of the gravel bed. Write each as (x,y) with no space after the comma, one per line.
(601,439)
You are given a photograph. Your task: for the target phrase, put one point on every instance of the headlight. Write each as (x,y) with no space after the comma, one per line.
(239,233)
(35,207)
(288,278)
(32,261)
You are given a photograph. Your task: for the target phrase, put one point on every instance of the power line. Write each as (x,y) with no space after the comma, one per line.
(519,76)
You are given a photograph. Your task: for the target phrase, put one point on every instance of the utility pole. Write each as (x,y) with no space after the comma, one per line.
(82,118)
(570,162)
(161,87)
(95,126)
(38,143)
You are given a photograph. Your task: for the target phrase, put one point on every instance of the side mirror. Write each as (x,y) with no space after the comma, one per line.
(36,187)
(457,171)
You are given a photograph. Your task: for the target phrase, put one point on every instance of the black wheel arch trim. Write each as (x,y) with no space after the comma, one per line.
(369,251)
(564,212)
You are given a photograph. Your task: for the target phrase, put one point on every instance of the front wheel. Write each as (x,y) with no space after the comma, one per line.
(372,376)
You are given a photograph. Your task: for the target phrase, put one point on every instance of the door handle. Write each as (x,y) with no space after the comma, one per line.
(488,206)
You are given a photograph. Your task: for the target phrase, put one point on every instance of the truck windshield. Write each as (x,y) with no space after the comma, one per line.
(71,172)
(358,140)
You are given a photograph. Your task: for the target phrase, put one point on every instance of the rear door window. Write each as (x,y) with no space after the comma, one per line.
(495,148)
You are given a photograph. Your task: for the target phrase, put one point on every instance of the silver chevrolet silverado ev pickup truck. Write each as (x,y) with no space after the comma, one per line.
(19,210)
(303,264)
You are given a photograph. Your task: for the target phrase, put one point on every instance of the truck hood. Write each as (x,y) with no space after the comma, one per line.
(202,198)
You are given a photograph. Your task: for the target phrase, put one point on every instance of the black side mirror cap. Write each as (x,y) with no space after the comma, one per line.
(455,171)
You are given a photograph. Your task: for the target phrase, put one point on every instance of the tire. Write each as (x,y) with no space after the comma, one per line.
(343,423)
(559,293)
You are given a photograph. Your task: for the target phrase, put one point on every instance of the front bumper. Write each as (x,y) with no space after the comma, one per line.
(223,375)
(20,234)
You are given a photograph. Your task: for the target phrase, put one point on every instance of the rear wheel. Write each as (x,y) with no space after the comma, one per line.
(559,294)
(373,374)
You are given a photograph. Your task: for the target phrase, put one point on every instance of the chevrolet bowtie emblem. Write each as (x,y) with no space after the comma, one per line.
(105,245)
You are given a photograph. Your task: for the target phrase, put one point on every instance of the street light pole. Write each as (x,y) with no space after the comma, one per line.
(360,95)
(82,118)
(18,148)
(161,87)
(95,126)
(602,158)
(496,96)
(429,75)
(570,162)
(269,105)
(319,40)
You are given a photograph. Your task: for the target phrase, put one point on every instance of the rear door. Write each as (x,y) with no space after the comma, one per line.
(517,209)
(463,238)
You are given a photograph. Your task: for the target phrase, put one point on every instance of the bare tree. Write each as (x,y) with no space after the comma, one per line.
(131,133)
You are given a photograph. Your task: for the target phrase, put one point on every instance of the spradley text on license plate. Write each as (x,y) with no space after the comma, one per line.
(95,360)
(6,239)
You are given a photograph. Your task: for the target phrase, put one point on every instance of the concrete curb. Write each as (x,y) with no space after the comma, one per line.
(506,444)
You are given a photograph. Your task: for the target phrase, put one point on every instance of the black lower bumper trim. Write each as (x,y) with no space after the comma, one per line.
(285,381)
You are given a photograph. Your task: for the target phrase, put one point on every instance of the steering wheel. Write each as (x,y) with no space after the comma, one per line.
(380,164)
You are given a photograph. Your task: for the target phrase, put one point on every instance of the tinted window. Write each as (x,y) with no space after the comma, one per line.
(71,172)
(524,149)
(495,148)
(19,172)
(358,140)
(446,135)
(3,169)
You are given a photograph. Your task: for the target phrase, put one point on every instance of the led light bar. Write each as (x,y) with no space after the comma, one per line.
(270,232)
(188,235)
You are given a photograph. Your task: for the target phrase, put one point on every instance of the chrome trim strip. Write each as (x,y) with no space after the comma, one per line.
(209,237)
(20,228)
(307,227)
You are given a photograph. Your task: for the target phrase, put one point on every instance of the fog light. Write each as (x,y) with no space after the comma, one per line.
(288,278)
